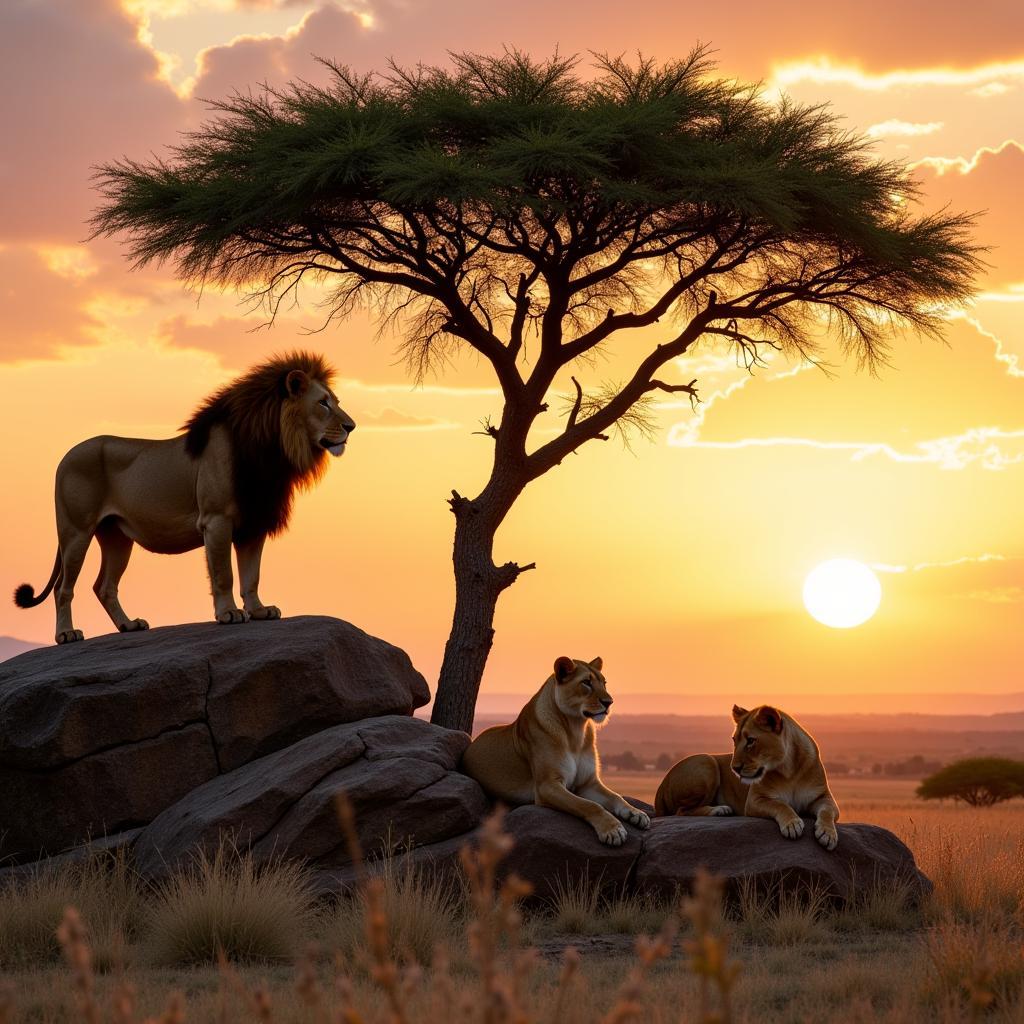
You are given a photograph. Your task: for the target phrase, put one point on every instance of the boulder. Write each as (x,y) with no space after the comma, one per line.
(555,851)
(399,773)
(754,850)
(103,735)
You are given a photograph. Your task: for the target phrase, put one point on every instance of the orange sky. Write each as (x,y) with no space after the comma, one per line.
(685,573)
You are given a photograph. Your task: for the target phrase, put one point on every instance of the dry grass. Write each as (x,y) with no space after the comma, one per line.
(423,913)
(227,905)
(412,950)
(104,887)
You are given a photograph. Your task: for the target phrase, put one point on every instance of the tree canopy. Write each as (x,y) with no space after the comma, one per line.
(978,781)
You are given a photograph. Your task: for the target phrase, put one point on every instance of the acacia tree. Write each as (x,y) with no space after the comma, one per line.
(978,781)
(503,199)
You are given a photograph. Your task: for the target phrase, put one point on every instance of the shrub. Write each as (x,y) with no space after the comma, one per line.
(230,905)
(978,781)
(424,911)
(102,885)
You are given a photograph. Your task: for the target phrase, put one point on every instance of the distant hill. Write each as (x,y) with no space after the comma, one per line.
(10,647)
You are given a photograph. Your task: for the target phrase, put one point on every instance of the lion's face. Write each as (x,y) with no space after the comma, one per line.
(759,743)
(315,410)
(581,690)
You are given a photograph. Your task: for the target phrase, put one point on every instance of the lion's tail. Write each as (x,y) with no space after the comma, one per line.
(25,596)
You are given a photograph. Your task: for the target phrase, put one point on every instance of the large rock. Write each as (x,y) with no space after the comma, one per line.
(398,773)
(555,852)
(101,736)
(754,850)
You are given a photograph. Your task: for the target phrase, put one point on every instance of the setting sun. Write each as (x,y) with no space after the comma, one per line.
(842,593)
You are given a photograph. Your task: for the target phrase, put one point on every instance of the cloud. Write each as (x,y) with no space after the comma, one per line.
(44,309)
(948,564)
(912,417)
(986,180)
(826,71)
(942,165)
(988,578)
(989,447)
(391,420)
(78,90)
(896,127)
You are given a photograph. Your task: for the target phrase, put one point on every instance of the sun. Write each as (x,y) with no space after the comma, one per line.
(842,593)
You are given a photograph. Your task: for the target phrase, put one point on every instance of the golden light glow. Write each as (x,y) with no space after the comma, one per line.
(842,593)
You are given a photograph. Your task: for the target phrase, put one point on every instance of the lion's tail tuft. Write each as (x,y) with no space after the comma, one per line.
(25,595)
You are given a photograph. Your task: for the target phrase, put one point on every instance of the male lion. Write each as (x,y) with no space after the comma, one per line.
(228,479)
(548,755)
(775,771)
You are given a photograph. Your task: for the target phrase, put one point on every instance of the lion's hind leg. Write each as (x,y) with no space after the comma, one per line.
(73,547)
(116,549)
(691,788)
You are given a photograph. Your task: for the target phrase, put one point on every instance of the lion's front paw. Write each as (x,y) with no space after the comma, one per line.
(267,611)
(231,616)
(720,810)
(634,816)
(826,834)
(70,636)
(792,829)
(610,831)
(133,625)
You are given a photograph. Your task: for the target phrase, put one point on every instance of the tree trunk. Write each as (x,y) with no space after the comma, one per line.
(478,583)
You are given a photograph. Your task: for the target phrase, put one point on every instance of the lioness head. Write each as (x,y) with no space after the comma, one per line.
(759,742)
(581,690)
(311,417)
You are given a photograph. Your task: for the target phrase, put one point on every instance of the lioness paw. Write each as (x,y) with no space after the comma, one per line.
(826,835)
(792,829)
(70,636)
(720,810)
(232,616)
(635,817)
(611,833)
(268,611)
(133,625)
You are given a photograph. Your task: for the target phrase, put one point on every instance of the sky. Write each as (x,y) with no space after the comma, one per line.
(684,571)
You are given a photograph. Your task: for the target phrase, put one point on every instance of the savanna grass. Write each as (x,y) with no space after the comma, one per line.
(102,885)
(229,906)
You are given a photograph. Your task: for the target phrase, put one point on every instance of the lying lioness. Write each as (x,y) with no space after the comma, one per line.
(775,771)
(548,755)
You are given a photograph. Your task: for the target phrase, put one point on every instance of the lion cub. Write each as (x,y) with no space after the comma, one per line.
(775,771)
(548,755)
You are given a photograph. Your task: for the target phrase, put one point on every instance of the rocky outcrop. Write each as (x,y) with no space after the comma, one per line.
(173,740)
(102,736)
(752,850)
(399,774)
(556,853)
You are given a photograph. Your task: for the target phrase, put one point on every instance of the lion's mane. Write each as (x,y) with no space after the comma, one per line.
(271,453)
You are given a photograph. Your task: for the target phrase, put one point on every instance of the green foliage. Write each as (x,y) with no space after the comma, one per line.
(457,185)
(978,781)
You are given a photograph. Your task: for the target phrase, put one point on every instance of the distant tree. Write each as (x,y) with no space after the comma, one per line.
(512,207)
(915,767)
(664,762)
(627,761)
(978,781)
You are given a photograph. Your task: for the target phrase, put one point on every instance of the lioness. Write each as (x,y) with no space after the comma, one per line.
(775,771)
(548,755)
(228,479)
